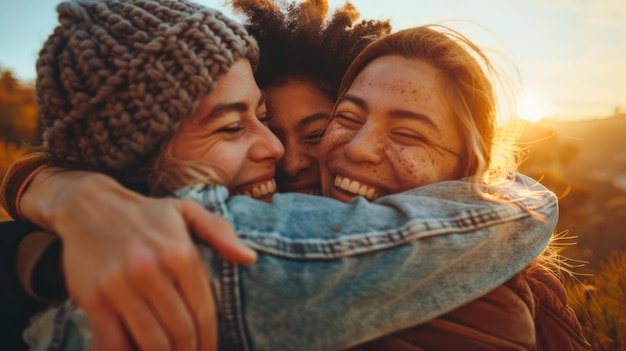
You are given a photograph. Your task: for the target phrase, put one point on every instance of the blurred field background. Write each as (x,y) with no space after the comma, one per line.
(584,162)
(18,121)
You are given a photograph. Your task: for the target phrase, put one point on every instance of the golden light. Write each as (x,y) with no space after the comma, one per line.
(533,106)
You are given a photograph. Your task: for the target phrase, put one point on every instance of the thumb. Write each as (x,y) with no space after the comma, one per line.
(216,231)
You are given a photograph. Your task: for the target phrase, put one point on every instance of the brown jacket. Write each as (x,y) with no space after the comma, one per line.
(16,178)
(528,312)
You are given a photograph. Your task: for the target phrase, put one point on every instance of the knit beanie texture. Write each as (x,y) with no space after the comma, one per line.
(116,77)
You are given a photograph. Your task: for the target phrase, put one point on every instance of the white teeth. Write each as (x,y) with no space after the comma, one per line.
(356,188)
(363,190)
(271,186)
(345,184)
(261,190)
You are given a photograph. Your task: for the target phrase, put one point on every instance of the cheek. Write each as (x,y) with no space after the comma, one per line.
(229,155)
(187,146)
(228,160)
(417,168)
(334,137)
(313,151)
(225,157)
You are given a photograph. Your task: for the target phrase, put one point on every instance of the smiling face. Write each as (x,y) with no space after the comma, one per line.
(299,115)
(228,132)
(392,131)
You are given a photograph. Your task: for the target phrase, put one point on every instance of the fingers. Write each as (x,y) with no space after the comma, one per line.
(150,286)
(167,303)
(137,315)
(216,231)
(108,331)
(193,284)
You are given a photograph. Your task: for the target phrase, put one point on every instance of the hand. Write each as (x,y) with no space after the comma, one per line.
(129,261)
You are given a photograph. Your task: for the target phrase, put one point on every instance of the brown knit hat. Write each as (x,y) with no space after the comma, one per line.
(116,77)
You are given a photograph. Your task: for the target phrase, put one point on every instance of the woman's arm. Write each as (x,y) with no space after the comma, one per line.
(129,260)
(333,275)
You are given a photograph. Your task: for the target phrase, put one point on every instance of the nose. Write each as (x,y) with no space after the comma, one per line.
(295,161)
(266,147)
(365,146)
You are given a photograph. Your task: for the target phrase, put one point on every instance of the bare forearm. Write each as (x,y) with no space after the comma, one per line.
(56,199)
(123,249)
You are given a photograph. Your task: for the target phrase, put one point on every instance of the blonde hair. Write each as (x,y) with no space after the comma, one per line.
(168,173)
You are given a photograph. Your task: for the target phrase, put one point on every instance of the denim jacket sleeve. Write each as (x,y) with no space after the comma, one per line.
(332,275)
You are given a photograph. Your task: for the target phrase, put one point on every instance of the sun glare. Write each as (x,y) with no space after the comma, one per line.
(533,106)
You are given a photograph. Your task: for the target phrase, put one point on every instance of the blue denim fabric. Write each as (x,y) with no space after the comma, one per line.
(332,275)
(61,328)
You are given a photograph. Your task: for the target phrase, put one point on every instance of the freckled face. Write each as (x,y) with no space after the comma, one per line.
(299,113)
(228,131)
(392,131)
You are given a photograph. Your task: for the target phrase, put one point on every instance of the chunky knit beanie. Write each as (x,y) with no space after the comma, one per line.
(117,77)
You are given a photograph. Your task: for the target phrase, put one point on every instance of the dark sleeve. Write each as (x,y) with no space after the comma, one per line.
(18,306)
(19,173)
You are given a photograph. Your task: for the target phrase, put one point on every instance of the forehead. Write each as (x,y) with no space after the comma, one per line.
(296,92)
(237,84)
(400,77)
(295,104)
(234,91)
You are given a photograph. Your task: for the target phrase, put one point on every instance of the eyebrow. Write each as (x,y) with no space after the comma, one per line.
(238,106)
(394,113)
(312,118)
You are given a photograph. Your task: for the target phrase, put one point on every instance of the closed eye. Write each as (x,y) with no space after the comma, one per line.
(408,138)
(314,138)
(416,139)
(266,120)
(231,129)
(348,122)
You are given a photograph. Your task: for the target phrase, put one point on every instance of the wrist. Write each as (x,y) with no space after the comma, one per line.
(22,189)
(53,192)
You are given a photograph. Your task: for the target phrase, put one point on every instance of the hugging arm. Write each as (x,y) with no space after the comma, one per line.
(330,276)
(397,262)
(128,260)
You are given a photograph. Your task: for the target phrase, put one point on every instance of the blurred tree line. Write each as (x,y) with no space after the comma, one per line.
(18,110)
(18,121)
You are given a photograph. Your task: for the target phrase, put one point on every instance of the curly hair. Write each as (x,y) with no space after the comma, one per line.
(298,39)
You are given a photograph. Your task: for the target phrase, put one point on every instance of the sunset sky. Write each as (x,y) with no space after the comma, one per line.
(571,54)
